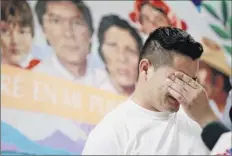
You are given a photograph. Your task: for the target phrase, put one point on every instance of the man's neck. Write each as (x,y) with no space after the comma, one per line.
(77,69)
(141,97)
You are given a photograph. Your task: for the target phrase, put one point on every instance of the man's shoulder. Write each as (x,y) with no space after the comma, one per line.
(187,124)
(117,114)
(114,120)
(45,66)
(108,136)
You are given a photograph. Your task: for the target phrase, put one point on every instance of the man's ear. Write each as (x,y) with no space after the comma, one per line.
(144,65)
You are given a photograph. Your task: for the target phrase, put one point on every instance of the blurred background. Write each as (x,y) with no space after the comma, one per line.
(65,64)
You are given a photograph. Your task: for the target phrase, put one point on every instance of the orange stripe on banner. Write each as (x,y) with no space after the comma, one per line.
(31,91)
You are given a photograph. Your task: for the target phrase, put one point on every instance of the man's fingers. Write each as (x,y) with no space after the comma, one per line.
(176,95)
(179,87)
(177,81)
(188,80)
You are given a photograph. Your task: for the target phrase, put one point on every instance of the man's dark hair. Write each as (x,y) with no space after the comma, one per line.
(40,10)
(17,12)
(164,42)
(113,20)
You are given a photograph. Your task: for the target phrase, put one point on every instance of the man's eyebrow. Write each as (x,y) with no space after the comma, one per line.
(53,14)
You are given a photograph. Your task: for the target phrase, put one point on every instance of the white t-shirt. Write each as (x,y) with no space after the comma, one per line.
(133,130)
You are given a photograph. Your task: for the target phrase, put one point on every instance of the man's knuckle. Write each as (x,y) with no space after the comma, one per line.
(179,98)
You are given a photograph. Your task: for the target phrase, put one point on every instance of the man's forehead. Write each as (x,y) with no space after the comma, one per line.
(63,9)
(186,65)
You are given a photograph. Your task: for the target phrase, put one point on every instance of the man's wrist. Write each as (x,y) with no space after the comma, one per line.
(211,117)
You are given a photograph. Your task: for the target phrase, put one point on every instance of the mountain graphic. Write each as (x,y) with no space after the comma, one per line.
(12,136)
(60,141)
(87,128)
(9,147)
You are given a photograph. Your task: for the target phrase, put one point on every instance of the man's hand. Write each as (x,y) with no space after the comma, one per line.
(193,98)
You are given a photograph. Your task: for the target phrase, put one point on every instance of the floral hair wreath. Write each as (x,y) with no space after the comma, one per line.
(160,4)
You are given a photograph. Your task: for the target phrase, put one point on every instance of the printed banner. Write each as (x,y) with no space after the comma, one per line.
(43,114)
(65,64)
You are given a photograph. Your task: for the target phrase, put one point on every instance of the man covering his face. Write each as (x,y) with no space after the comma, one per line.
(151,121)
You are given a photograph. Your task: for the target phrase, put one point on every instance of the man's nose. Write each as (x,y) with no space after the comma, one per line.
(67,29)
(14,36)
(121,55)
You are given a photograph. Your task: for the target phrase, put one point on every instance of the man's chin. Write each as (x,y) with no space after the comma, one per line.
(16,60)
(73,60)
(125,82)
